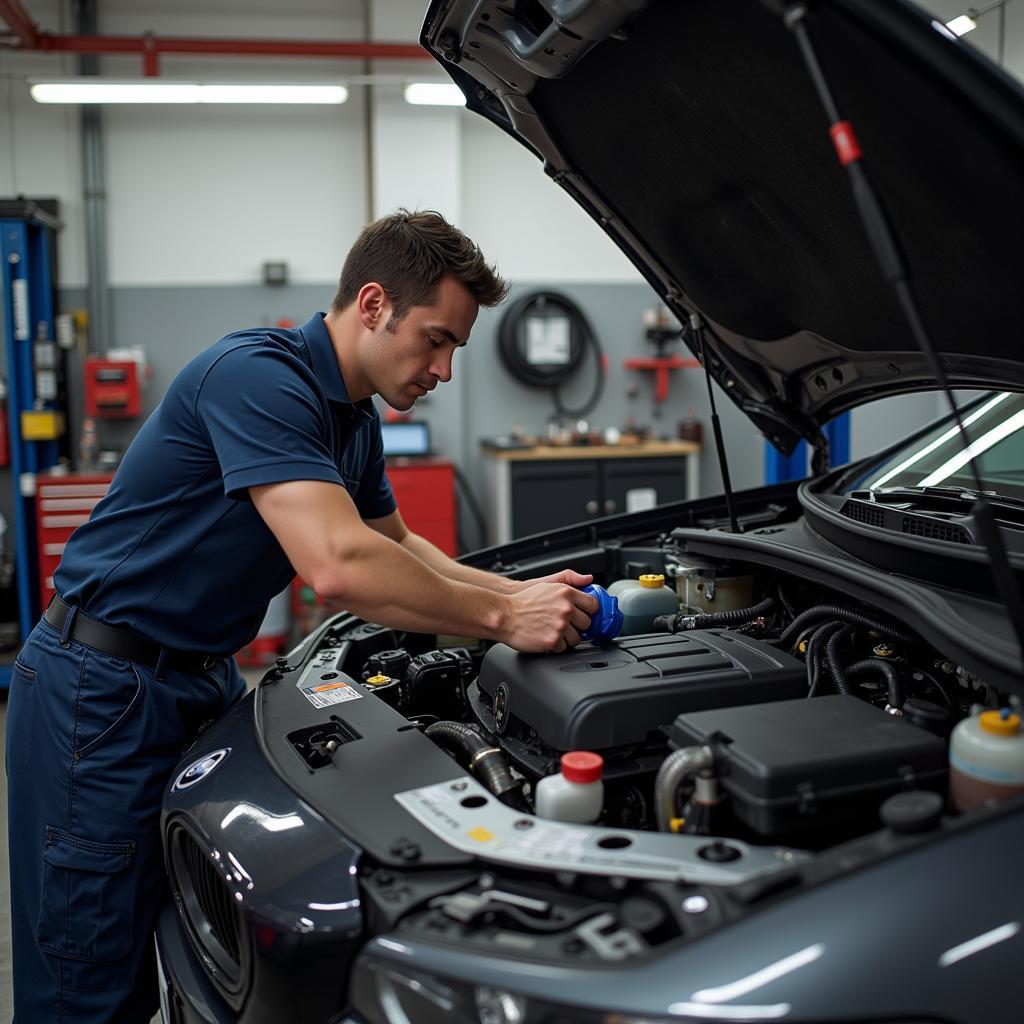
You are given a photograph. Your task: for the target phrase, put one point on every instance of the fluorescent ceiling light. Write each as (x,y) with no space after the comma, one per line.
(962,25)
(158,90)
(438,94)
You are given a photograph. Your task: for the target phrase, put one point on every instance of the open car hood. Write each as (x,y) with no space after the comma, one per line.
(691,131)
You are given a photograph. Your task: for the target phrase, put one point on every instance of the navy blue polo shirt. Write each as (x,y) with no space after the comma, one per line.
(176,552)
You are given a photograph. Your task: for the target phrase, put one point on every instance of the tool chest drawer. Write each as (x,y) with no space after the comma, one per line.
(63,503)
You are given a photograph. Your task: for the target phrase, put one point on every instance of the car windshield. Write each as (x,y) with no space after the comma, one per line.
(995,428)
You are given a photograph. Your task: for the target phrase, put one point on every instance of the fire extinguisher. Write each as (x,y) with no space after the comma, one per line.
(5,448)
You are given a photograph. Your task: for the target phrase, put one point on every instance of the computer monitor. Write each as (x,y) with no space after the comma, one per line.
(406,438)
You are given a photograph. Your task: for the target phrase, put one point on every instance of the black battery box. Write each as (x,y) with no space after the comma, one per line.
(798,764)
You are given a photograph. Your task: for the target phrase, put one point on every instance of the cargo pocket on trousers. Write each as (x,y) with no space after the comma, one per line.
(86,915)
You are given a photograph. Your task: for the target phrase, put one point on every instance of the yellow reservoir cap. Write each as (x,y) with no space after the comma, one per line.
(378,680)
(652,580)
(994,722)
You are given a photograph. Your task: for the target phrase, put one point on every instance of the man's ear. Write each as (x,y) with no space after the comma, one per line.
(373,305)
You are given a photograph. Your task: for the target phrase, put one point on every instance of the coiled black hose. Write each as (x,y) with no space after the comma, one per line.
(551,375)
(486,762)
(887,669)
(706,620)
(854,618)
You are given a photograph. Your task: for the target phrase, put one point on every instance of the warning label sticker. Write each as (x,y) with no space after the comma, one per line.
(326,694)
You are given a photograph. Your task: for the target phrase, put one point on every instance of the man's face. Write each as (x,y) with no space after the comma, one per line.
(407,358)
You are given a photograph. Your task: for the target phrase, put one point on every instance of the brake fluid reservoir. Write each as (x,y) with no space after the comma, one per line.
(642,604)
(576,793)
(986,758)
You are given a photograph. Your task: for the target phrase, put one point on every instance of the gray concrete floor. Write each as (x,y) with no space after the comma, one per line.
(6,1001)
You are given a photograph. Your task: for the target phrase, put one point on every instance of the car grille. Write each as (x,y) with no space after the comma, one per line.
(935,530)
(210,911)
(862,512)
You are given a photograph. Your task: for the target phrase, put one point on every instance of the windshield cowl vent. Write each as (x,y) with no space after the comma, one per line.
(879,516)
(864,512)
(922,526)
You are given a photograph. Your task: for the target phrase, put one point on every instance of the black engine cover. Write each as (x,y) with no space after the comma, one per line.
(595,698)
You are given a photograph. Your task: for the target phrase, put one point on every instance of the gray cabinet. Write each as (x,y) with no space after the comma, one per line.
(529,492)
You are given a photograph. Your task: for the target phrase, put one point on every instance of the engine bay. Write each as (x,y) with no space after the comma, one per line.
(703,726)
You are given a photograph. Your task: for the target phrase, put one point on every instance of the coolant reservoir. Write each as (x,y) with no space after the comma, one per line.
(576,793)
(986,758)
(642,604)
(616,588)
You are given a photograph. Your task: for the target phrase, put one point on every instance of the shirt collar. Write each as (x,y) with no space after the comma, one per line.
(325,365)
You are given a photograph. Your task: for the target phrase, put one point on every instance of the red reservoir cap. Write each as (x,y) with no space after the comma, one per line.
(582,766)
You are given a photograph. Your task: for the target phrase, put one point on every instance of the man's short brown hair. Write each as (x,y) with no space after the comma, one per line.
(407,254)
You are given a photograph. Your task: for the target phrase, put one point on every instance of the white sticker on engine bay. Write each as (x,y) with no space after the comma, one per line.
(330,693)
(323,685)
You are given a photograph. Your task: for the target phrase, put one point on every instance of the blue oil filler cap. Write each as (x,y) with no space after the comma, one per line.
(607,620)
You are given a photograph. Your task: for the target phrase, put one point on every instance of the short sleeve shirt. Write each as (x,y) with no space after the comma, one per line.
(176,552)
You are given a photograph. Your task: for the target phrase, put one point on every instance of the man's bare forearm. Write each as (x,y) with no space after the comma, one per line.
(450,569)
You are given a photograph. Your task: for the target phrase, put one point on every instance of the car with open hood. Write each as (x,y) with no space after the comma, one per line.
(812,773)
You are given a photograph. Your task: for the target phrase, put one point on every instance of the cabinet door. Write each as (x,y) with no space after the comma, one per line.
(546,495)
(632,484)
(425,493)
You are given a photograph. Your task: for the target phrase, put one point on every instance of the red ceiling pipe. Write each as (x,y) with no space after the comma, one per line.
(150,47)
(163,45)
(20,23)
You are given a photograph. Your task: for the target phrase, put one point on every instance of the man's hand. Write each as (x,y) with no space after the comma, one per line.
(549,616)
(567,576)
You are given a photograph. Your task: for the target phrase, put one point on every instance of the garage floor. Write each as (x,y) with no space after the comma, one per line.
(6,1000)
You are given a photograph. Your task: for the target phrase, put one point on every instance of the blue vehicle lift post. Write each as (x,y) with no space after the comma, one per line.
(778,467)
(26,252)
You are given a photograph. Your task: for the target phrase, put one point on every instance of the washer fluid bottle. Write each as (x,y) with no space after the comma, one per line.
(986,758)
(576,793)
(642,604)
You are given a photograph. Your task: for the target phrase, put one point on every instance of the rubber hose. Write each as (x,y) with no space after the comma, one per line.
(821,634)
(888,670)
(677,622)
(486,762)
(833,664)
(675,767)
(855,618)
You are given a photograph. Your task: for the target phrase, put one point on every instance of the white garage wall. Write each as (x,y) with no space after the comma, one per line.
(198,198)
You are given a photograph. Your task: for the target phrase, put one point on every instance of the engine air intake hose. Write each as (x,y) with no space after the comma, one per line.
(706,620)
(486,762)
(848,615)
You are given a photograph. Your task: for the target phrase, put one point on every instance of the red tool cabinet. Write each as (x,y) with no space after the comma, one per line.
(425,492)
(63,503)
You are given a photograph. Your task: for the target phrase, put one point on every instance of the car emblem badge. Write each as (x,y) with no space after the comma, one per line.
(200,769)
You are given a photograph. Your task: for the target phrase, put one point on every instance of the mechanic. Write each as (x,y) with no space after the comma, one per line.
(263,459)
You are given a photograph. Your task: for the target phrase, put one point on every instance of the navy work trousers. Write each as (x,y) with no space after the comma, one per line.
(91,743)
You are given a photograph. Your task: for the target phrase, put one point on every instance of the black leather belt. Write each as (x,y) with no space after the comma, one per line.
(119,644)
